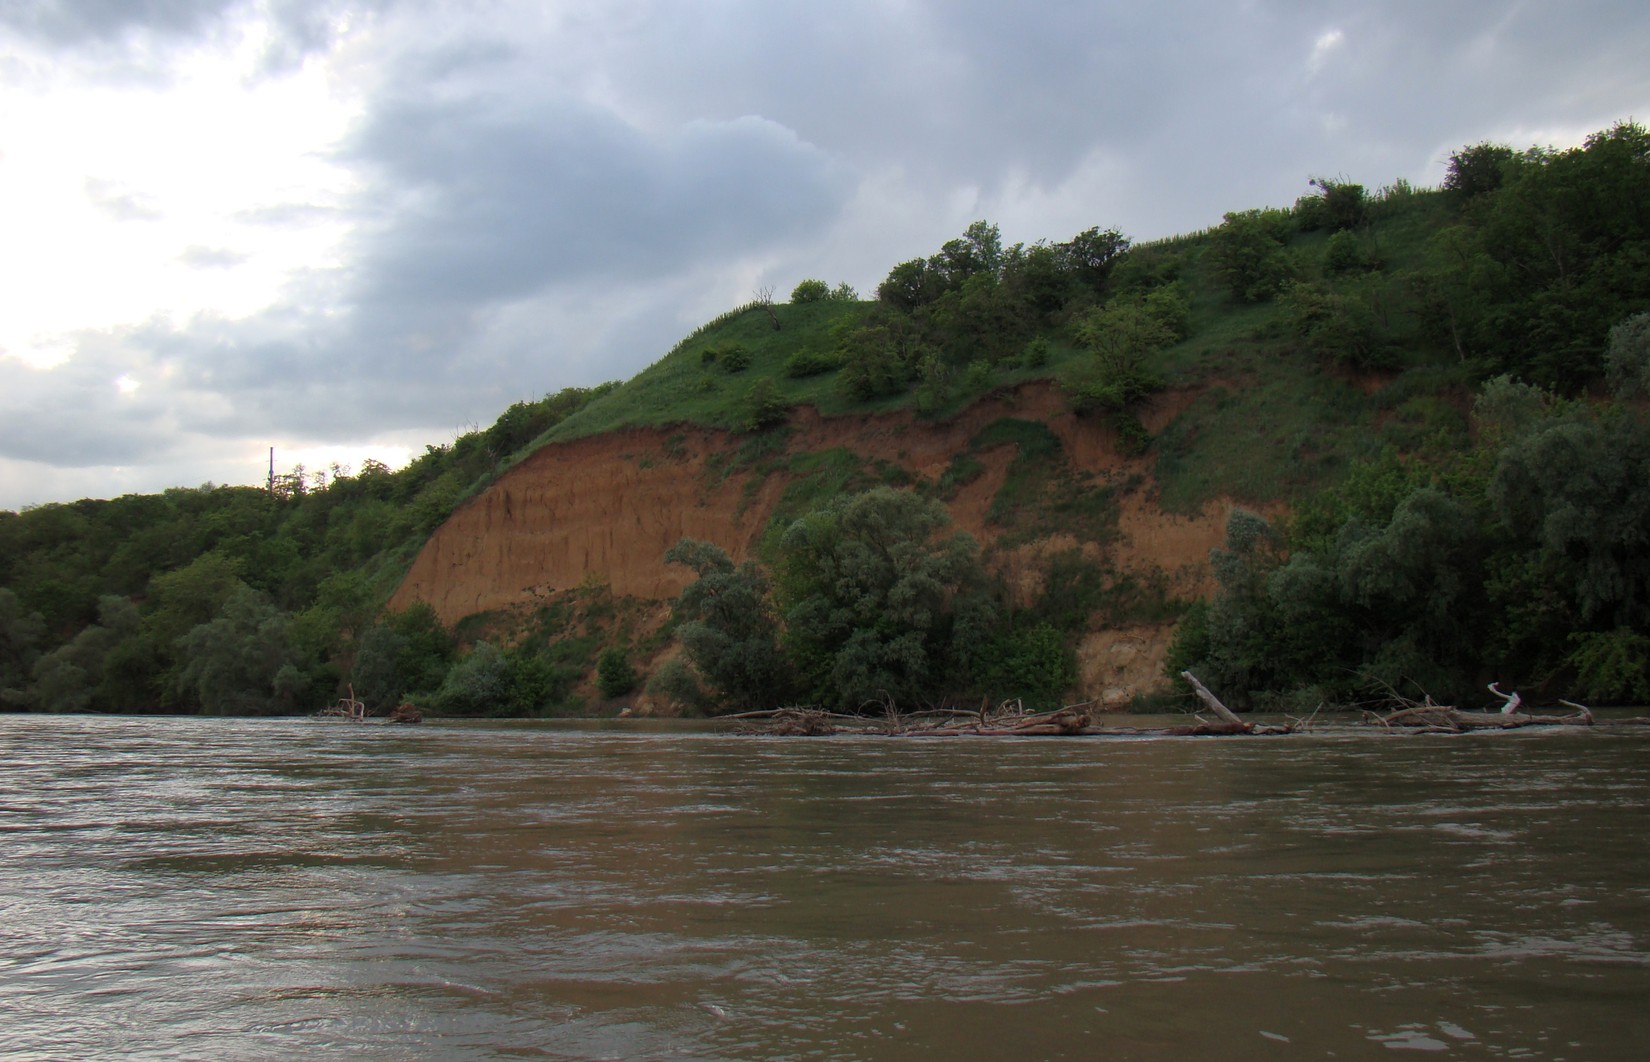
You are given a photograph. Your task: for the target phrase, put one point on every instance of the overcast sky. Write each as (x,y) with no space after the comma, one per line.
(349,228)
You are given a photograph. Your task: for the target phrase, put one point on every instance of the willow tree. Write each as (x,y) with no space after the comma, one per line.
(874,597)
(728,628)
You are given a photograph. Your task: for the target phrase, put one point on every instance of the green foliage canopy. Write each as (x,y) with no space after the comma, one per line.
(1248,252)
(405,653)
(869,593)
(241,662)
(728,627)
(1551,258)
(1526,560)
(20,635)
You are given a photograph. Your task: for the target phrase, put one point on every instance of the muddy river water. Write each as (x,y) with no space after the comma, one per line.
(273,889)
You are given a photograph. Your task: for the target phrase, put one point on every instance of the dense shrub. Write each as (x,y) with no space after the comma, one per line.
(810,291)
(1248,252)
(675,683)
(615,676)
(806,363)
(763,407)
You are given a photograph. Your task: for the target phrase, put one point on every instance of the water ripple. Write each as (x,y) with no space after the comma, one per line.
(268,889)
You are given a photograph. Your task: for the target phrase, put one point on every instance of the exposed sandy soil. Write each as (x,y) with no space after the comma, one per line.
(1115,665)
(1176,545)
(607,508)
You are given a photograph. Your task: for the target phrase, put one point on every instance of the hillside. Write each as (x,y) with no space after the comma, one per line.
(1376,442)
(607,507)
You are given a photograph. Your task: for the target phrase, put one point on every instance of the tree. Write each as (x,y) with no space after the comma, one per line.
(1124,337)
(910,285)
(1554,258)
(1338,324)
(1344,206)
(1418,581)
(479,684)
(1576,489)
(1344,254)
(407,652)
(881,356)
(675,683)
(241,662)
(1527,559)
(978,253)
(1248,253)
(922,281)
(869,593)
(808,291)
(71,677)
(981,316)
(1627,358)
(1232,643)
(985,243)
(728,628)
(493,681)
(615,676)
(1477,170)
(1091,255)
(1505,408)
(182,600)
(20,634)
(1612,666)
(1037,277)
(1033,663)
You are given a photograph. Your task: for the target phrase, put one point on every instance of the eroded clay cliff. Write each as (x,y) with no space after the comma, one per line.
(605,509)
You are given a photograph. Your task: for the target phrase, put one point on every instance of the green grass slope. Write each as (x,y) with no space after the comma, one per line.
(1274,417)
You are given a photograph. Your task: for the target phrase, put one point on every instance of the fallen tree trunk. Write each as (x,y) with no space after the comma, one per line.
(1066,721)
(1439,718)
(1226,715)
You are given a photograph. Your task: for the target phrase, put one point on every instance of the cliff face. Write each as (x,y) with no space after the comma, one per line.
(604,508)
(607,508)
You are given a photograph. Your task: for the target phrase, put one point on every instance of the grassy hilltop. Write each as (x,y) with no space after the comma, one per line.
(1444,387)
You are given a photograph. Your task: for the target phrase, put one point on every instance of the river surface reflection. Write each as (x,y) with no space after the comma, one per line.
(208,889)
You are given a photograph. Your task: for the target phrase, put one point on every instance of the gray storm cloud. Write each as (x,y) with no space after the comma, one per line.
(504,203)
(547,194)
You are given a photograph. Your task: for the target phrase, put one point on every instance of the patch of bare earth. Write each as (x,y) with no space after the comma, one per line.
(1119,664)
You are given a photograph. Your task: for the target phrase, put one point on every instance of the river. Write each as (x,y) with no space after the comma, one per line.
(276,889)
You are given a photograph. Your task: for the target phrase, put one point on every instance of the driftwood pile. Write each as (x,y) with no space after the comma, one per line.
(1007,720)
(1427,717)
(406,713)
(355,710)
(350,707)
(1010,719)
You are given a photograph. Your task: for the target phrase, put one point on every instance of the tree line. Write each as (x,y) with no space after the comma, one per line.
(1522,555)
(237,599)
(1524,558)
